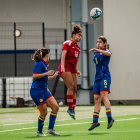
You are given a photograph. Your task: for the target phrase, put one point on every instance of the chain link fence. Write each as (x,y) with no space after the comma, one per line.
(18,41)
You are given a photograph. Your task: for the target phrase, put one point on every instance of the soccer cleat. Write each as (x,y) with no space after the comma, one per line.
(71,113)
(94,125)
(110,123)
(40,134)
(53,132)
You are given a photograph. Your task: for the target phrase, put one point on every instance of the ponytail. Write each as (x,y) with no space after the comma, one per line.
(39,54)
(76,29)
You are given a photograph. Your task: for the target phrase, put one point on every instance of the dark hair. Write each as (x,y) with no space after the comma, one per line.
(104,40)
(45,51)
(39,54)
(76,29)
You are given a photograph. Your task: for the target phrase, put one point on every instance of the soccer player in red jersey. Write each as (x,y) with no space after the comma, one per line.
(68,68)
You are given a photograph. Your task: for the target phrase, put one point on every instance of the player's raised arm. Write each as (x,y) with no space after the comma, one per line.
(105,52)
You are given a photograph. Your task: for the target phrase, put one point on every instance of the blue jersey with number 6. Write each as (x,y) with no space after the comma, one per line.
(101,61)
(102,77)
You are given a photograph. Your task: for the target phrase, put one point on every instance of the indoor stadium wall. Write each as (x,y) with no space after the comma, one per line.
(56,15)
(52,13)
(122,28)
(29,15)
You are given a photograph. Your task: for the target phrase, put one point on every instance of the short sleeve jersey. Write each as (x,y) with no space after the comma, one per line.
(102,65)
(41,83)
(73,52)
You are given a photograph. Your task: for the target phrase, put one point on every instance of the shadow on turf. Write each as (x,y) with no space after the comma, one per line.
(67,135)
(100,133)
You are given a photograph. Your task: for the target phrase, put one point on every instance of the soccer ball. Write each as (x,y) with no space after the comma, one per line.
(96,13)
(60,103)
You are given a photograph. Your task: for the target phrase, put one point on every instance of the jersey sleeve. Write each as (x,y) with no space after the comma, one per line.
(65,46)
(37,68)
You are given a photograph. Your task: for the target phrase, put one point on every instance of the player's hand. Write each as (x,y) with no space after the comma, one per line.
(55,74)
(78,73)
(62,68)
(92,50)
(50,72)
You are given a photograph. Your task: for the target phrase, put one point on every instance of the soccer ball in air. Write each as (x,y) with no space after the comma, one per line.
(60,103)
(95,13)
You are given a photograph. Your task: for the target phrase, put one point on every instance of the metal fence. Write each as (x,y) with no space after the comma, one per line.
(15,91)
(16,51)
(18,41)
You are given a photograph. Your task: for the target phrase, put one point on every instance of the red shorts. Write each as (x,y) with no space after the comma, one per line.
(70,68)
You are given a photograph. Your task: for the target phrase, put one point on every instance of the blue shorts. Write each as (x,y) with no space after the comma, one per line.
(40,96)
(102,85)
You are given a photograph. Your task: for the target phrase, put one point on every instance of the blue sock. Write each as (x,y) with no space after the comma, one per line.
(109,114)
(40,124)
(52,120)
(95,117)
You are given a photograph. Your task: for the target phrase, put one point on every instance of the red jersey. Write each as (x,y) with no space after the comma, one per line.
(72,56)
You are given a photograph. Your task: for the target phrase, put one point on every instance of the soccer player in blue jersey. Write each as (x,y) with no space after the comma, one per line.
(101,87)
(40,93)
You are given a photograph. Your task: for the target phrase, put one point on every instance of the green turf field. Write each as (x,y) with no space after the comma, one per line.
(21,124)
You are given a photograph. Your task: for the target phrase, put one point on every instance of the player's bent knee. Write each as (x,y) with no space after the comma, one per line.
(55,108)
(44,114)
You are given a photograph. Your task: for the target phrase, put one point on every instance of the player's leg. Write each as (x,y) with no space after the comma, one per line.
(97,105)
(54,107)
(75,90)
(105,90)
(97,108)
(68,79)
(40,101)
(107,104)
(43,112)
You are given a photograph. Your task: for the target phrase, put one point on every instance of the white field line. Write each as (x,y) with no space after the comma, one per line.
(15,124)
(26,128)
(80,132)
(34,122)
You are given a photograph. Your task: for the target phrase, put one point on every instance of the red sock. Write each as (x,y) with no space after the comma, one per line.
(70,101)
(74,103)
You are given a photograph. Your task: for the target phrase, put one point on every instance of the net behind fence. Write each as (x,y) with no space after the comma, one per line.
(15,57)
(15,92)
